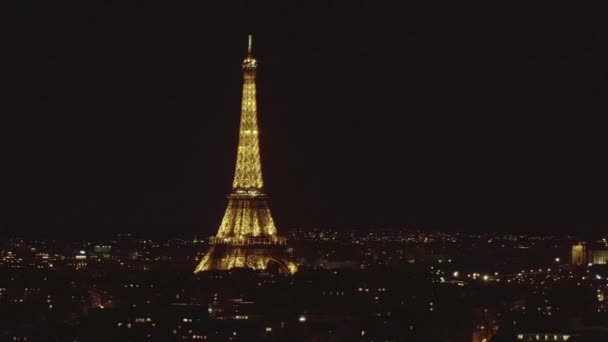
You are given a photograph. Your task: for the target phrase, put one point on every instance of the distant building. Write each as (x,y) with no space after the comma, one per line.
(102,251)
(579,254)
(583,254)
(336,264)
(534,336)
(598,256)
(232,309)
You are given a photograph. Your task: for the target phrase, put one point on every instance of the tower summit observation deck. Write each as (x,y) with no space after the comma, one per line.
(247,236)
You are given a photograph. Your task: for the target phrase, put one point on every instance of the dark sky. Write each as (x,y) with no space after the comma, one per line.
(125,117)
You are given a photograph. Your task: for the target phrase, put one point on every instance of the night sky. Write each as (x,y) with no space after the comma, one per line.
(125,118)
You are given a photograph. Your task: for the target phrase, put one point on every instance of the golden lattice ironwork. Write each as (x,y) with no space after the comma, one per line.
(247,236)
(225,257)
(248,174)
(247,215)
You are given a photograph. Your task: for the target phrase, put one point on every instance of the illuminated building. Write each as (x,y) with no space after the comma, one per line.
(544,337)
(102,251)
(231,309)
(247,236)
(598,256)
(583,254)
(579,254)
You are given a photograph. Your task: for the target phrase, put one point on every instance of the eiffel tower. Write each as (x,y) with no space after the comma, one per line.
(247,236)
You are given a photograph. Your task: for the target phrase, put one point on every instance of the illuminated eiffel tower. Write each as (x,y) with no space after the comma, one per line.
(247,236)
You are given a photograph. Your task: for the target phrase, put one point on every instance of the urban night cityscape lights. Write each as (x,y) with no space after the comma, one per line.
(428,176)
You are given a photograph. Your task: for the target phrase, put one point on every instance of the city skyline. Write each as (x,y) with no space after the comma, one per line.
(459,122)
(384,174)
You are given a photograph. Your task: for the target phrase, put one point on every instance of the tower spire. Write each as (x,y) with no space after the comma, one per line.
(249,46)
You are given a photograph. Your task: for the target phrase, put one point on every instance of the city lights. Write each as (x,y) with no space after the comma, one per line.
(435,177)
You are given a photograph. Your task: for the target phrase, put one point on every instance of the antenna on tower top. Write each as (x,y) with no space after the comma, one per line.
(250,43)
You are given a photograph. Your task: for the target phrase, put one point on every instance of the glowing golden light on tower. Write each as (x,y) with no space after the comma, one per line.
(248,175)
(247,233)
